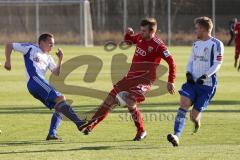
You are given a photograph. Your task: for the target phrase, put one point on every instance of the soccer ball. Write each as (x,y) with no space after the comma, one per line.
(121,98)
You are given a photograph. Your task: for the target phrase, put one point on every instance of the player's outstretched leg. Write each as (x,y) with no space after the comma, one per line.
(100,114)
(55,123)
(67,111)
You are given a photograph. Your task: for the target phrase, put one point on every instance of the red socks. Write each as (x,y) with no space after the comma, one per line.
(137,118)
(101,114)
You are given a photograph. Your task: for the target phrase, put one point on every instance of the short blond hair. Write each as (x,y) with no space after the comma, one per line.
(205,22)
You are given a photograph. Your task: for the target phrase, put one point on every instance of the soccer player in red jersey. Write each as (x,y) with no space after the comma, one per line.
(132,88)
(237,44)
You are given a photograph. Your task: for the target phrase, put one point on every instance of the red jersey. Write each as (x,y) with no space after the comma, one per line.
(147,57)
(237,33)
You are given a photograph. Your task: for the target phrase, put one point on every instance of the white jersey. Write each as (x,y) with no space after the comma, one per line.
(36,62)
(206,58)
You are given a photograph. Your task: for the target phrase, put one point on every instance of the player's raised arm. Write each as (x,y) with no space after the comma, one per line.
(56,68)
(8,51)
(130,37)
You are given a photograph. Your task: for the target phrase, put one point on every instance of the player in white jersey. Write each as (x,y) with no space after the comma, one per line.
(37,61)
(205,60)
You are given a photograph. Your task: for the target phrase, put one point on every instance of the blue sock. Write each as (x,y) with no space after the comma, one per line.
(55,122)
(179,122)
(67,111)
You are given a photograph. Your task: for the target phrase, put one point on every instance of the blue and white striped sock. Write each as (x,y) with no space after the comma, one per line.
(179,122)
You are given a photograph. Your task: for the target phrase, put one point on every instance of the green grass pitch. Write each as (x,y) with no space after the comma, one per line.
(24,121)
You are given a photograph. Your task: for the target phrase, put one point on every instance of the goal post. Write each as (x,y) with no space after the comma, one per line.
(86,31)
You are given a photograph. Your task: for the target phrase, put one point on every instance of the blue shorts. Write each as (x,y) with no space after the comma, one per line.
(200,95)
(43,91)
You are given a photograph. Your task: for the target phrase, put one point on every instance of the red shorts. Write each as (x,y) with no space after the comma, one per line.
(237,51)
(136,87)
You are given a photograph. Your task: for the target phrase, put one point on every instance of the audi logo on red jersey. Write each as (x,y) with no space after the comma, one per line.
(141,51)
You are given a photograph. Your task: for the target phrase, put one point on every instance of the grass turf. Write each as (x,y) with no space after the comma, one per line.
(24,121)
